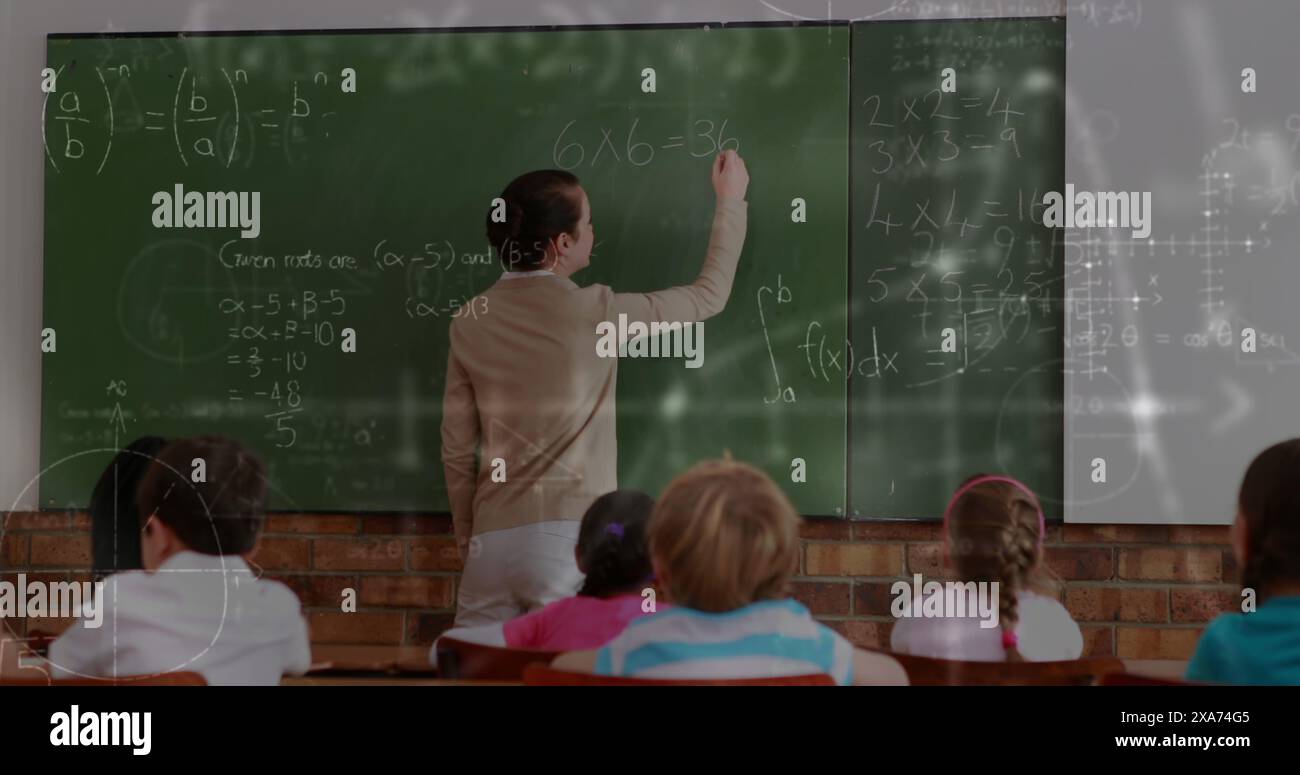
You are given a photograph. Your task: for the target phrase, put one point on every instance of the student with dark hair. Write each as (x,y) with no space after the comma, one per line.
(612,554)
(1261,645)
(196,606)
(114,523)
(528,422)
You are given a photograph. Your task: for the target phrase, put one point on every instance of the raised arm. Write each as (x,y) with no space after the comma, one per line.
(707,296)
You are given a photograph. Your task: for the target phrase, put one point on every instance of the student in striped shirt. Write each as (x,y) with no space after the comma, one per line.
(724,542)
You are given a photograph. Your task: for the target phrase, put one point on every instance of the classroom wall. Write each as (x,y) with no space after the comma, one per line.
(1137,591)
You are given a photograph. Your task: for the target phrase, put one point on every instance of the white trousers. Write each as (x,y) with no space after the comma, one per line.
(513,571)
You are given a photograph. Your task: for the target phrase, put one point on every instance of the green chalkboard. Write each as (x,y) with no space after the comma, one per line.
(371,218)
(947,234)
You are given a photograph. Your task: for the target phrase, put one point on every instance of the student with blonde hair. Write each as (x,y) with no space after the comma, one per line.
(724,544)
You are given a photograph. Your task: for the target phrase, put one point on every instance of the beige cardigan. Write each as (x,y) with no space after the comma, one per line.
(525,384)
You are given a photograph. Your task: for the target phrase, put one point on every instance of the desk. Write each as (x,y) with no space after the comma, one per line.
(381,680)
(371,659)
(1157,668)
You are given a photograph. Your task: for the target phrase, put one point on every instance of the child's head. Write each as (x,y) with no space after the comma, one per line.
(222,514)
(611,547)
(993,531)
(722,536)
(114,521)
(1266,535)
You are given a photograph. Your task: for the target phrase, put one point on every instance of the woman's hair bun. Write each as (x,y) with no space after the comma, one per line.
(540,206)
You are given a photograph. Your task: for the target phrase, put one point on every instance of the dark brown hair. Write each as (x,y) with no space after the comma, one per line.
(993,535)
(612,543)
(114,519)
(540,206)
(1269,503)
(220,515)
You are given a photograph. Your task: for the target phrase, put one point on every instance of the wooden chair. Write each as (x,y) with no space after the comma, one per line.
(1133,679)
(545,675)
(924,671)
(165,679)
(460,659)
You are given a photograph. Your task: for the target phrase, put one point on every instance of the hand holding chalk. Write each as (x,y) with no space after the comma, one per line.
(730,178)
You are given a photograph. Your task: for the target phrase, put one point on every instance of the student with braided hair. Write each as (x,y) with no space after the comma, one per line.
(993,534)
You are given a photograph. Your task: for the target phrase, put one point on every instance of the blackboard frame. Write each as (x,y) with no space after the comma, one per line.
(696,25)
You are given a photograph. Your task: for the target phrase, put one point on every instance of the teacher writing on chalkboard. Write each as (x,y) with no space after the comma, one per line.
(528,425)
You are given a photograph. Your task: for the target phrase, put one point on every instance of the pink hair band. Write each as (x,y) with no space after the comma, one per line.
(1042,523)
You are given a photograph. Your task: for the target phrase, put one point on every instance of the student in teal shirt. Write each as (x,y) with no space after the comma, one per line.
(1261,646)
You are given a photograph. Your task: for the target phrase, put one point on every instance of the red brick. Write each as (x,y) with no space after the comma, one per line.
(897,531)
(406,524)
(1213,535)
(1156,642)
(51,625)
(437,553)
(13,550)
(1202,605)
(36,576)
(825,529)
(37,520)
(926,559)
(1080,564)
(357,554)
(1230,569)
(873,598)
(361,628)
(1098,641)
(424,629)
(1116,534)
(1117,604)
(863,634)
(408,591)
(282,553)
(81,521)
(69,550)
(839,559)
(823,598)
(325,591)
(1168,564)
(311,523)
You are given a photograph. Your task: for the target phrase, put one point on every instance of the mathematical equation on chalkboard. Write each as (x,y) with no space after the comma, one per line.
(206,121)
(276,332)
(970,260)
(704,139)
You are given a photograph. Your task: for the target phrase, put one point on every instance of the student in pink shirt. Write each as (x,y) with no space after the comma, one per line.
(612,554)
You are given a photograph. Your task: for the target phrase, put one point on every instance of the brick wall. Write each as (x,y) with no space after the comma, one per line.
(1137,591)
